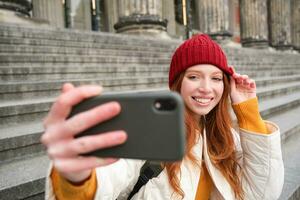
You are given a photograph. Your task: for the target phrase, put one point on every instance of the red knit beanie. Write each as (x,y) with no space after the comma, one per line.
(199,49)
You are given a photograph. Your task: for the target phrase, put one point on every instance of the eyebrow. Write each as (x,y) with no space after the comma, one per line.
(200,72)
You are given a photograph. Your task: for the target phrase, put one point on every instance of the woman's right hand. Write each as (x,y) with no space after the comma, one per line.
(63,149)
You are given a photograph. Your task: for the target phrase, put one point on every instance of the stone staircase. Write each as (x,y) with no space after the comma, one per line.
(35,62)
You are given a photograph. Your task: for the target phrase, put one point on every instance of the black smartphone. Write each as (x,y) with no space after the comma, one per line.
(153,121)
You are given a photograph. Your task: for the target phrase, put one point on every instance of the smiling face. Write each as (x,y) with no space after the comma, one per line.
(202,88)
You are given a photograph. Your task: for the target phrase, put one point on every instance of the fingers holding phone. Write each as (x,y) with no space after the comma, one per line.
(59,134)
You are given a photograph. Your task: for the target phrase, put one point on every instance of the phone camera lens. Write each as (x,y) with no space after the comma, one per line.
(157,105)
(165,104)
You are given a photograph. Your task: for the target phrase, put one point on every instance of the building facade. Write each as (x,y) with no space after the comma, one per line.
(253,23)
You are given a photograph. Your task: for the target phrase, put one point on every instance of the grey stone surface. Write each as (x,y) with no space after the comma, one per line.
(291,159)
(274,106)
(24,178)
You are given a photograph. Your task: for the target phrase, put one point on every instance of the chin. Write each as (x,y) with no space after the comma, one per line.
(201,112)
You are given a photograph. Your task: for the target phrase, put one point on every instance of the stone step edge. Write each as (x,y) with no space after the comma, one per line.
(56,84)
(112,47)
(242,67)
(73,32)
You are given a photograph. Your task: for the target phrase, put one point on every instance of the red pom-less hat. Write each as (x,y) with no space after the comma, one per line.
(199,49)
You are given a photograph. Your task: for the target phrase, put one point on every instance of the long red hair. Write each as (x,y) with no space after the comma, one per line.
(221,147)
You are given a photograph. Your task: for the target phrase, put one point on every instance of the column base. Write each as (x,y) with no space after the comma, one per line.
(296,48)
(144,25)
(10,17)
(282,47)
(22,7)
(219,36)
(257,44)
(145,30)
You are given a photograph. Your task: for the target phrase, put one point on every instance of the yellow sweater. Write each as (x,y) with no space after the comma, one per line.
(248,118)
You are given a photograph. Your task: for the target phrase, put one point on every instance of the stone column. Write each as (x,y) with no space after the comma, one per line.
(168,12)
(234,20)
(295,19)
(141,18)
(51,11)
(111,14)
(213,17)
(80,14)
(254,23)
(280,24)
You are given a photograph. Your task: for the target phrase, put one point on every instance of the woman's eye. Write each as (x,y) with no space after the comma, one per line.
(192,77)
(217,79)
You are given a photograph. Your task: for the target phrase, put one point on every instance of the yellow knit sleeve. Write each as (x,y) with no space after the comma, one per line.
(64,190)
(248,116)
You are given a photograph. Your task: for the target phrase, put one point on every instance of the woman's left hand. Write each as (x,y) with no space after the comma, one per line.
(242,88)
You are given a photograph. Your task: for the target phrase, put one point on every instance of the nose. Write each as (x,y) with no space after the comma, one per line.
(204,86)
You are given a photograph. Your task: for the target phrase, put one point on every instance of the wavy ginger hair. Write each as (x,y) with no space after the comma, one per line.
(221,147)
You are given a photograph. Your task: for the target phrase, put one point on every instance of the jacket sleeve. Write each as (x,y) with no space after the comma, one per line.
(259,152)
(262,164)
(114,181)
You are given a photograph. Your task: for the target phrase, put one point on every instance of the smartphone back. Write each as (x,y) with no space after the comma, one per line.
(153,121)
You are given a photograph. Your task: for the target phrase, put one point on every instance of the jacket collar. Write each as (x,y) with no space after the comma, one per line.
(219,180)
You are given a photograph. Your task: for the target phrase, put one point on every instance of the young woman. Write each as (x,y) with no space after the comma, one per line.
(220,162)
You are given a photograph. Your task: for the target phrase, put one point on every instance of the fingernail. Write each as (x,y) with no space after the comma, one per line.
(120,136)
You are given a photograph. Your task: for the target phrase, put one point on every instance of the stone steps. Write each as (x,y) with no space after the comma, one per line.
(24,179)
(22,49)
(98,71)
(21,74)
(52,37)
(26,90)
(81,46)
(275,106)
(265,81)
(20,141)
(291,158)
(78,35)
(86,50)
(40,58)
(76,72)
(83,49)
(145,58)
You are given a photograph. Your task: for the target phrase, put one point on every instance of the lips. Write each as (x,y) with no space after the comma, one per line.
(202,100)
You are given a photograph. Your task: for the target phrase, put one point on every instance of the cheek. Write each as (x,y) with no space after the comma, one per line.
(219,90)
(184,88)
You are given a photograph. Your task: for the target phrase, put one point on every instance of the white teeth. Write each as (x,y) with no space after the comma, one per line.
(201,100)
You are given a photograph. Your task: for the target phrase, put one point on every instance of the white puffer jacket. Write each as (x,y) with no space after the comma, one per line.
(259,155)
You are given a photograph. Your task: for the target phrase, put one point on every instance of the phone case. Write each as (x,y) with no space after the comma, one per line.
(153,121)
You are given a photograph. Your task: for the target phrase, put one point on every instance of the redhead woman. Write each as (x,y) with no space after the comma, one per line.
(220,162)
